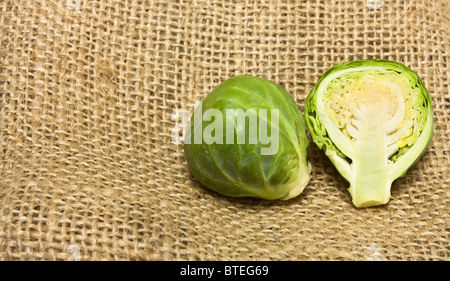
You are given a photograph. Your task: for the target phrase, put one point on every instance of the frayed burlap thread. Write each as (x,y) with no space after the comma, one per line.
(88,166)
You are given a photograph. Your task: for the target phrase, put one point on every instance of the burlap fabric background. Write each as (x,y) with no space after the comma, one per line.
(88,168)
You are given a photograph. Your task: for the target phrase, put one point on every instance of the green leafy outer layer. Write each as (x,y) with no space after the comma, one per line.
(239,170)
(369,168)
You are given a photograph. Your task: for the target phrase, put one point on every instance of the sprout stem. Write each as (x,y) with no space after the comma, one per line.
(369,186)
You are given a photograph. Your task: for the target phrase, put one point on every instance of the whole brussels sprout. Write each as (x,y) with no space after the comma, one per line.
(373,119)
(247,139)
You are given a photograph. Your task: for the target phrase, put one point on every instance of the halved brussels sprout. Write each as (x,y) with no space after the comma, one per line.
(247,139)
(373,119)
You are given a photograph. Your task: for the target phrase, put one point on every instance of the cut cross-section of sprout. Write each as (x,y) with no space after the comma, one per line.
(374,119)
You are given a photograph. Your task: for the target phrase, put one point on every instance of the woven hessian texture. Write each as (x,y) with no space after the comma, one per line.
(88,168)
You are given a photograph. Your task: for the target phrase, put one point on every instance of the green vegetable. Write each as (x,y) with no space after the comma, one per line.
(373,119)
(247,139)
